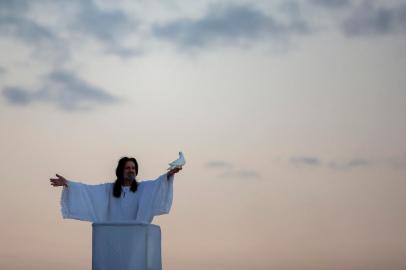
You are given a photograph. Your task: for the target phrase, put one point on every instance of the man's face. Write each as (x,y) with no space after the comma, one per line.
(129,170)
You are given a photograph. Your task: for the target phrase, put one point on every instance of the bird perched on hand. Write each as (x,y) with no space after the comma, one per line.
(177,163)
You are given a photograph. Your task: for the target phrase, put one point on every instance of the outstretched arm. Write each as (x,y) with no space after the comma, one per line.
(59,181)
(82,201)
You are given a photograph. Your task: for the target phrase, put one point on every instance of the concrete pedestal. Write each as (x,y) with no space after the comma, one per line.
(125,246)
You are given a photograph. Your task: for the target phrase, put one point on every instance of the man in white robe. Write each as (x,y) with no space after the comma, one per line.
(125,200)
(137,202)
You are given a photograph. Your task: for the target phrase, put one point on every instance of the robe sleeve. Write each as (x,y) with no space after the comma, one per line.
(85,202)
(163,195)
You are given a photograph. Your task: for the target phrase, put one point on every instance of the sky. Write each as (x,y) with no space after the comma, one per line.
(291,116)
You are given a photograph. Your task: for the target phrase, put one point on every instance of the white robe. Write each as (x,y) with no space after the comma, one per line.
(96,203)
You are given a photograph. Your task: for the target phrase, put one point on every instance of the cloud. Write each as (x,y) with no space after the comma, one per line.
(2,70)
(305,160)
(363,18)
(336,165)
(370,18)
(347,165)
(333,164)
(17,95)
(107,26)
(221,24)
(231,24)
(122,52)
(13,6)
(15,22)
(228,171)
(331,3)
(218,164)
(397,162)
(25,29)
(63,89)
(241,174)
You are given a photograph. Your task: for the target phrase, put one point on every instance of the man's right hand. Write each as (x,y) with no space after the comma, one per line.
(59,181)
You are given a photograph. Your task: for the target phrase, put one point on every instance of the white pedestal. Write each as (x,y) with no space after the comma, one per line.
(126,246)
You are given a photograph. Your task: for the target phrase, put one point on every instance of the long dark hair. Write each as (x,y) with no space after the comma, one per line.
(120,176)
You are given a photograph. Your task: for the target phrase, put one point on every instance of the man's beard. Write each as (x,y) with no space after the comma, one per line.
(130,177)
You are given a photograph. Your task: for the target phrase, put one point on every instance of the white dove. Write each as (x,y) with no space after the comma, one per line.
(177,163)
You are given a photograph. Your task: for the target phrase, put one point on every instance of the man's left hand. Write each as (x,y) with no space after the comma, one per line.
(173,171)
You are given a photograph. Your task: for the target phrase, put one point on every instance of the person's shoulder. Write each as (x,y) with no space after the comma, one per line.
(106,185)
(145,183)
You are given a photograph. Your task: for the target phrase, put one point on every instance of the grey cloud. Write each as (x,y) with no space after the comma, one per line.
(17,95)
(13,6)
(15,23)
(107,26)
(218,164)
(122,51)
(63,89)
(26,30)
(331,3)
(241,174)
(364,18)
(305,160)
(370,18)
(334,164)
(227,24)
(2,70)
(397,162)
(101,24)
(227,170)
(347,165)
